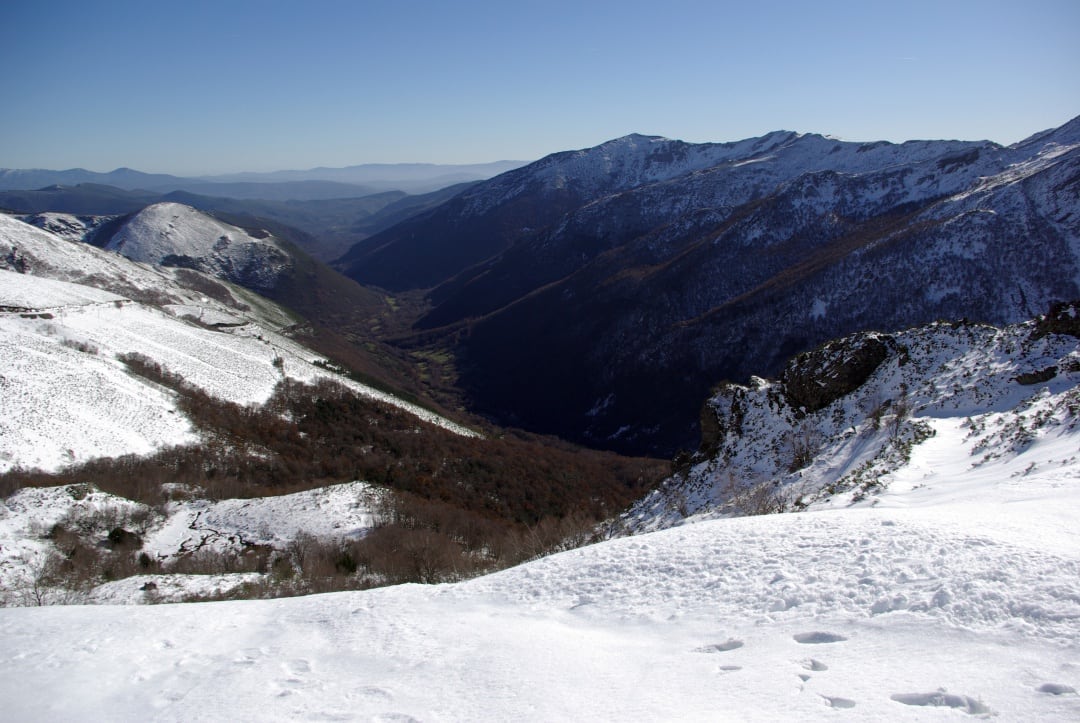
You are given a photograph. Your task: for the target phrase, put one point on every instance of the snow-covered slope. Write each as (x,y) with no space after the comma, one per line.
(68,226)
(168,534)
(854,419)
(67,310)
(900,612)
(176,235)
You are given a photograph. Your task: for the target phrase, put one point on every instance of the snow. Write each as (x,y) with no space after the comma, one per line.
(172,229)
(922,601)
(337,512)
(66,225)
(62,401)
(950,587)
(745,167)
(181,527)
(154,589)
(947,376)
(65,396)
(28,292)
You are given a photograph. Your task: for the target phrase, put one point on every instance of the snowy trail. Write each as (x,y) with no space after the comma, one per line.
(864,613)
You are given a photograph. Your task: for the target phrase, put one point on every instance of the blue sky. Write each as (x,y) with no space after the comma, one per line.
(212,87)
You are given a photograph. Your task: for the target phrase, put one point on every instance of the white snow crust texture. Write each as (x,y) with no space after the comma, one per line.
(902,612)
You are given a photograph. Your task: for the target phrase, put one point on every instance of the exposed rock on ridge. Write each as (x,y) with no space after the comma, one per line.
(772,446)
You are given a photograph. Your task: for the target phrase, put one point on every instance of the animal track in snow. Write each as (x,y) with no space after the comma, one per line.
(942,699)
(248,656)
(374,692)
(1057,689)
(818,638)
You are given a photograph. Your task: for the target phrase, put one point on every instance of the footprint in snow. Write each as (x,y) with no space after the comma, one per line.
(835,702)
(374,692)
(1057,689)
(818,638)
(298,666)
(941,699)
(248,656)
(295,670)
(730,644)
(815,665)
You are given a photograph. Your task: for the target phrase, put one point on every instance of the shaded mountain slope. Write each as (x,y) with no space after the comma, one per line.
(653,268)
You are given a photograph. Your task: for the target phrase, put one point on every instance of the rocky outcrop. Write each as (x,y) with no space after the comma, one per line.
(1063,318)
(846,417)
(815,379)
(721,416)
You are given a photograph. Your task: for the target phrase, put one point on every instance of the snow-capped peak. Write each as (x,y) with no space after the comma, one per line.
(173,234)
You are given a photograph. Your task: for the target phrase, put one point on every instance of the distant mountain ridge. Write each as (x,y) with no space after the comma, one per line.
(312,184)
(327,227)
(600,293)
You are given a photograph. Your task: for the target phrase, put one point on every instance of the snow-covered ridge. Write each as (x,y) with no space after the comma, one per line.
(68,226)
(848,423)
(66,396)
(635,160)
(176,235)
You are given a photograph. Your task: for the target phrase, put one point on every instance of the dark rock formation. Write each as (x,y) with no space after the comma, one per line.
(815,379)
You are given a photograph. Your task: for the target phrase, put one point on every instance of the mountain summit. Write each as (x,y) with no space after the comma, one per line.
(171,234)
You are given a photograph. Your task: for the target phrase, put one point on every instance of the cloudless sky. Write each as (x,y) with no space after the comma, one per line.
(195,87)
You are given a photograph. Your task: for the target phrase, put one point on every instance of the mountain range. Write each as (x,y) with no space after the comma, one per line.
(313,184)
(324,228)
(599,294)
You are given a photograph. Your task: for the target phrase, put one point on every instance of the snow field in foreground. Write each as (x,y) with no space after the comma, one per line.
(875,614)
